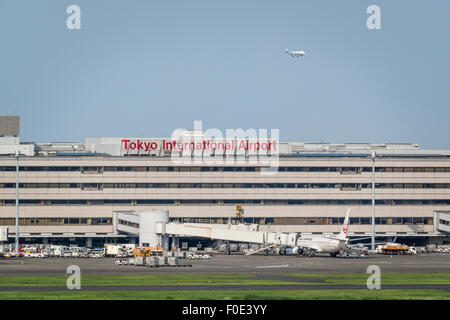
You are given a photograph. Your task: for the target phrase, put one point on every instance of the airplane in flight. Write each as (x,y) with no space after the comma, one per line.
(323,243)
(294,53)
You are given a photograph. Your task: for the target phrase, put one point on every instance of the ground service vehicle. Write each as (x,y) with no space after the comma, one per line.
(114,250)
(61,251)
(97,253)
(394,248)
(41,254)
(147,251)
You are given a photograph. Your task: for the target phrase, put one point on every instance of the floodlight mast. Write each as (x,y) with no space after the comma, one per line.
(373,157)
(16,247)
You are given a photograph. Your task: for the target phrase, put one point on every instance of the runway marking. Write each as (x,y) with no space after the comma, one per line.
(275,266)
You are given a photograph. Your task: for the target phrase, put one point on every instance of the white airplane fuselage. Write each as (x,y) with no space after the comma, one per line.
(324,243)
(294,53)
(321,244)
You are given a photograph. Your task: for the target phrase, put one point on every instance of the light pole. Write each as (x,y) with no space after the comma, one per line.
(17,201)
(373,156)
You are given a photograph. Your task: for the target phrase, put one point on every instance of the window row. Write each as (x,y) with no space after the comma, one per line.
(55,221)
(311,220)
(101,169)
(128,223)
(350,202)
(275,220)
(340,186)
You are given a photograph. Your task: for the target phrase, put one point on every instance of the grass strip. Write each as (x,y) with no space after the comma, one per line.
(388,294)
(386,278)
(142,280)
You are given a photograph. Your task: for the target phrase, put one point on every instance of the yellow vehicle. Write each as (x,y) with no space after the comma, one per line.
(239,211)
(147,251)
(395,248)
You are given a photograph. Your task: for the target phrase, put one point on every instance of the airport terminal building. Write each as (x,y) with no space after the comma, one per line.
(73,192)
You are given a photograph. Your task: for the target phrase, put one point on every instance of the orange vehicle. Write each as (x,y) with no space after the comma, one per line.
(147,251)
(395,248)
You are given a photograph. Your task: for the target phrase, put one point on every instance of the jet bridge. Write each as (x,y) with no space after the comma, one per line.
(249,233)
(237,233)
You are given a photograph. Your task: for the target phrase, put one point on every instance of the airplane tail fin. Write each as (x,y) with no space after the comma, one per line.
(343,233)
(286,51)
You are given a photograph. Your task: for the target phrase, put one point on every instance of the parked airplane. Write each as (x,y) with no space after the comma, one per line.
(294,53)
(324,244)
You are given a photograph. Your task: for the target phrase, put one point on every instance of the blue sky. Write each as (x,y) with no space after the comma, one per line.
(143,68)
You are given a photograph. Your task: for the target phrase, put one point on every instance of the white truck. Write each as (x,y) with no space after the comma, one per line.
(3,234)
(78,252)
(40,254)
(114,250)
(4,249)
(62,251)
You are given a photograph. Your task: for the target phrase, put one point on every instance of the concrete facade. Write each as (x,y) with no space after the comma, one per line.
(67,193)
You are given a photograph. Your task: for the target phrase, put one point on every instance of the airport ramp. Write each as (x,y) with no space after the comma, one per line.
(219,233)
(247,233)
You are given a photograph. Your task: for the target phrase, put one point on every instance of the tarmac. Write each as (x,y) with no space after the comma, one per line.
(257,265)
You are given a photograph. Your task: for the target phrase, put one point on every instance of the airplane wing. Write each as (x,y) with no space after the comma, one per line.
(359,239)
(365,244)
(335,238)
(368,244)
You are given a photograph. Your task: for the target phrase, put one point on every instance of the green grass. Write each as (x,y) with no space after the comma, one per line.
(232,295)
(226,279)
(141,280)
(386,278)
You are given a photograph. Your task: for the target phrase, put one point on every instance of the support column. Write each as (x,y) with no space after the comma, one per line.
(175,243)
(16,246)
(165,242)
